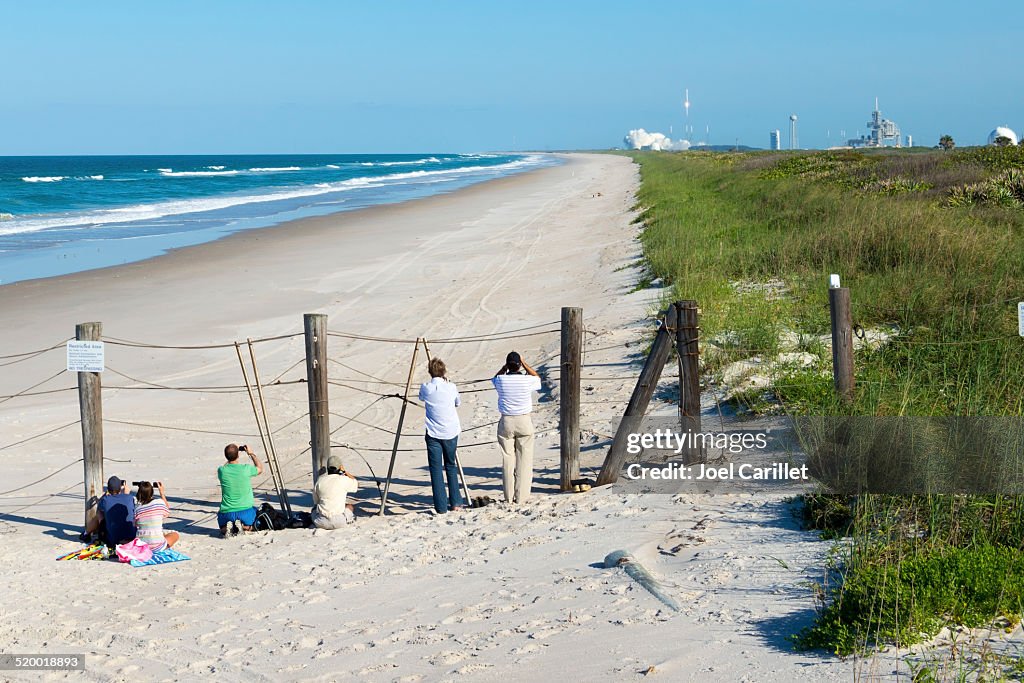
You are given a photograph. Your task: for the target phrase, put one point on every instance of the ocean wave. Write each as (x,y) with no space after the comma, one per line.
(332,166)
(168,173)
(275,170)
(411,162)
(93,177)
(142,212)
(216,168)
(43,178)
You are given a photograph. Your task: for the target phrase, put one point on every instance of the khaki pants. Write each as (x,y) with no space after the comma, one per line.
(515,437)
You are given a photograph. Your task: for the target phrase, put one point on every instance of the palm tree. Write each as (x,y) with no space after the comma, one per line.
(946,142)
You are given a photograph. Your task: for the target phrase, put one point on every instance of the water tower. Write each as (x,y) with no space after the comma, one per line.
(792,131)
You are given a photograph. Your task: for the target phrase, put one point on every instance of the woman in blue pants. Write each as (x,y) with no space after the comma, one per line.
(441,398)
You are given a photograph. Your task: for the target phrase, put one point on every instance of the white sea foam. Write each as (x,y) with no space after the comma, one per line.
(332,166)
(95,177)
(275,170)
(156,210)
(216,168)
(166,172)
(411,162)
(43,178)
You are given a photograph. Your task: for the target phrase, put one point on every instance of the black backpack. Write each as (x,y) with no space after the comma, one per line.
(269,519)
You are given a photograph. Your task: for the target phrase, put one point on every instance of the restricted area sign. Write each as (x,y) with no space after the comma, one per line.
(85,356)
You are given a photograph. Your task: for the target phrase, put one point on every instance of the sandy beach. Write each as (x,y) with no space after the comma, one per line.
(509,590)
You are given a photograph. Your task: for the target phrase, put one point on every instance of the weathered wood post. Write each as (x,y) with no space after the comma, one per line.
(688,349)
(315,325)
(640,399)
(90,403)
(842,339)
(569,395)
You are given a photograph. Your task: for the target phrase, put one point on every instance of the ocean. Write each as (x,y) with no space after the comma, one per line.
(62,215)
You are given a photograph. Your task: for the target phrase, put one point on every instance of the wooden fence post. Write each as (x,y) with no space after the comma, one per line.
(90,403)
(688,349)
(569,395)
(315,325)
(641,398)
(842,341)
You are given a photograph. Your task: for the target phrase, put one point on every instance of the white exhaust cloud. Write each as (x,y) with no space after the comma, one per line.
(658,142)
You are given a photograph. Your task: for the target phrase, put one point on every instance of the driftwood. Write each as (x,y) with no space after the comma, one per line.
(637,572)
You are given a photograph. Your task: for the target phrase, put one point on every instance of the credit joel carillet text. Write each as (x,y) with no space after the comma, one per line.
(669,442)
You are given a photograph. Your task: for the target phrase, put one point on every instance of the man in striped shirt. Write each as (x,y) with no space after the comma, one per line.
(515,428)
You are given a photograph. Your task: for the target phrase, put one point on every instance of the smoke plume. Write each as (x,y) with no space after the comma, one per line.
(641,139)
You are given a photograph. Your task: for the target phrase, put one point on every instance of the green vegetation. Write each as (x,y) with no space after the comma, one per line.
(930,243)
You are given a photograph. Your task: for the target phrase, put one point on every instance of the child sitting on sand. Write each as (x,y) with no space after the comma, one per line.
(150,515)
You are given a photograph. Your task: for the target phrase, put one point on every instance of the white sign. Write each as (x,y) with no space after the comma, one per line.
(833,281)
(85,356)
(1020,318)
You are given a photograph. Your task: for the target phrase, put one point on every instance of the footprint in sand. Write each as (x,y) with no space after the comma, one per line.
(473,668)
(446,657)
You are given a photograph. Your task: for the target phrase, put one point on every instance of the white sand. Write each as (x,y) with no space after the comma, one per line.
(503,591)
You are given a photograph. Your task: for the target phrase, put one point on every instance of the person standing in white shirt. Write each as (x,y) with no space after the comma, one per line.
(441,398)
(515,428)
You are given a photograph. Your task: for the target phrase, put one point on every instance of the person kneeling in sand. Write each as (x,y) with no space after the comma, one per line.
(515,428)
(330,495)
(236,499)
(150,515)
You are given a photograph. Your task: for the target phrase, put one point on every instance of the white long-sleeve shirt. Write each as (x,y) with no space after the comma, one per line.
(441,399)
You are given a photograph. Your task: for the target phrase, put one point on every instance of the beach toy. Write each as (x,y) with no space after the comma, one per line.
(637,572)
(87,553)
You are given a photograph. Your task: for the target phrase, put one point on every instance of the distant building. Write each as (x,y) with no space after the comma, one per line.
(882,132)
(1002,132)
(775,140)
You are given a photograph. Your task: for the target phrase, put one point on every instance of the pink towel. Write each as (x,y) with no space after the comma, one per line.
(134,550)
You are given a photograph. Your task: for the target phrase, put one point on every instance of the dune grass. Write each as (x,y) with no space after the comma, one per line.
(942,273)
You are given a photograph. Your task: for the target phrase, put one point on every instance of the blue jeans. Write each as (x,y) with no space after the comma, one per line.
(441,460)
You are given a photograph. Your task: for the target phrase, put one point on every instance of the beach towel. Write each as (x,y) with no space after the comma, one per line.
(162,557)
(135,549)
(92,552)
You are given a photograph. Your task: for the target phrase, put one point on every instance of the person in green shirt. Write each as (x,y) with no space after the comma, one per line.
(236,500)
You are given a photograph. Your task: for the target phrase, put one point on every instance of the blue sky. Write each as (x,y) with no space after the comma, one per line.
(335,76)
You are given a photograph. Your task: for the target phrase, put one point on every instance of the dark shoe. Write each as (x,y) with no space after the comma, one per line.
(234,528)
